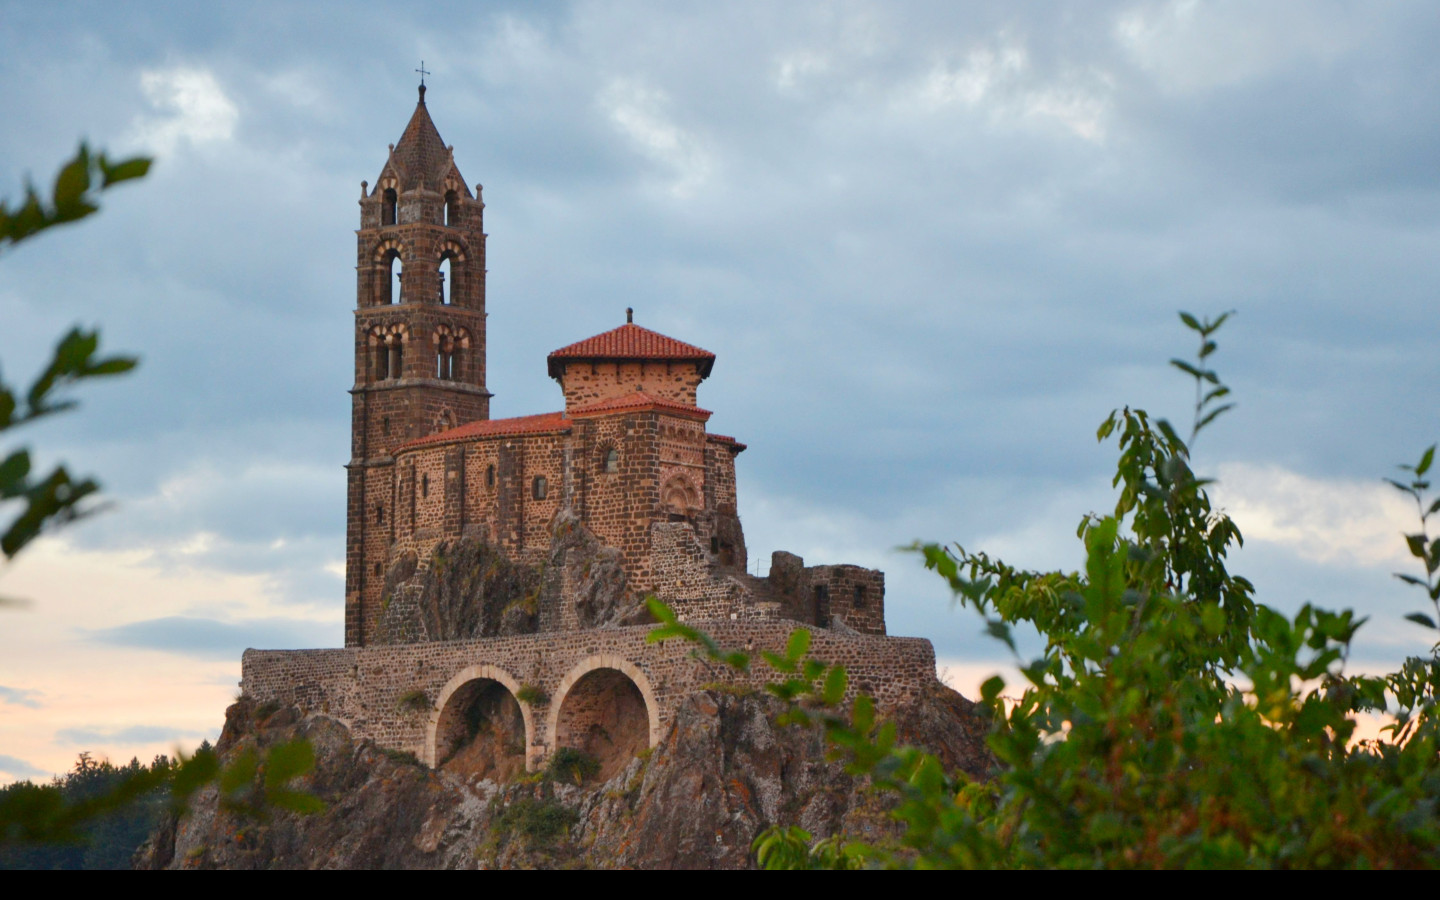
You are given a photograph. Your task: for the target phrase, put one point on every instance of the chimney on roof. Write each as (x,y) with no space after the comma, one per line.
(629,316)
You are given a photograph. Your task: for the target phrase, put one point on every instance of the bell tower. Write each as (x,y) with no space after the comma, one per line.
(419,338)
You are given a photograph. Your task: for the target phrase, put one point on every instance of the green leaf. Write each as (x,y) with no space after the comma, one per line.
(1188,369)
(1416,543)
(1425,461)
(1421,619)
(1190,321)
(798,644)
(1210,416)
(1401,487)
(1216,394)
(1000,631)
(73,180)
(125,170)
(836,682)
(992,688)
(288,761)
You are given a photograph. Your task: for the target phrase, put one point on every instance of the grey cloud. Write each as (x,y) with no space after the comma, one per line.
(19,768)
(134,734)
(213,639)
(20,697)
(904,299)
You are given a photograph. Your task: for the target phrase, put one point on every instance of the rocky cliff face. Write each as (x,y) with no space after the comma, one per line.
(469,589)
(723,773)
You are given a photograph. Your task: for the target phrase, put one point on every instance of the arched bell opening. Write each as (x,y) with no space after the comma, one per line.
(481,732)
(447,281)
(392,277)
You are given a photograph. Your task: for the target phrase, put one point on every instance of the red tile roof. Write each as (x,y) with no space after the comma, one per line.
(545,422)
(727,439)
(636,401)
(630,342)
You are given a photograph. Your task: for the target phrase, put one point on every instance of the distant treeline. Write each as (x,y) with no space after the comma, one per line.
(112,838)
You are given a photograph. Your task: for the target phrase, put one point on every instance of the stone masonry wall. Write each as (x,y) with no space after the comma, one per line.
(828,596)
(585,382)
(364,686)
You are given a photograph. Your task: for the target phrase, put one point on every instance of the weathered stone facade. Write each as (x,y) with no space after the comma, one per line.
(509,558)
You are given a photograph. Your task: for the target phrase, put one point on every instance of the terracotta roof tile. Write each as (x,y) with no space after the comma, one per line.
(635,401)
(545,422)
(630,341)
(727,439)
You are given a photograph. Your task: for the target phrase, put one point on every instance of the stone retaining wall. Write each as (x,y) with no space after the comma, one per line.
(393,694)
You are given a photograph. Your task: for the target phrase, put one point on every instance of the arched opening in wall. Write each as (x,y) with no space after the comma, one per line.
(446,281)
(481,732)
(389,207)
(612,461)
(452,208)
(382,368)
(604,716)
(394,279)
(389,361)
(489,476)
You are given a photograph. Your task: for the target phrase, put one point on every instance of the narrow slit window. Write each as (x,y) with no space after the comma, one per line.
(539,489)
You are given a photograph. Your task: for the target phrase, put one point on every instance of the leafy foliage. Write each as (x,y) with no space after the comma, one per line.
(539,822)
(1171,720)
(56,497)
(39,823)
(571,766)
(72,198)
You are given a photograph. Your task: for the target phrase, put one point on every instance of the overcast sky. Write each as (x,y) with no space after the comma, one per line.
(932,246)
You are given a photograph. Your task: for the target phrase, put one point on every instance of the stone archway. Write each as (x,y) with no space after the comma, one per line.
(478,727)
(605,708)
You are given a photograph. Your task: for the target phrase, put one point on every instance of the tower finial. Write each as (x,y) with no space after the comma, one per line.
(629,316)
(423,72)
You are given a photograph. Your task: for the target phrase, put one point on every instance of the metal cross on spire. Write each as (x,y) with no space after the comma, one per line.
(423,72)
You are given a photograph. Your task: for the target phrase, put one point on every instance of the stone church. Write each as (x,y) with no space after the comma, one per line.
(496,569)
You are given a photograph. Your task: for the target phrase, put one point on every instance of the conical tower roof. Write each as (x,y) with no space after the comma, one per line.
(421,156)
